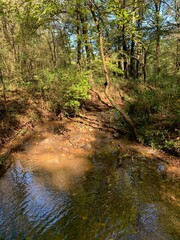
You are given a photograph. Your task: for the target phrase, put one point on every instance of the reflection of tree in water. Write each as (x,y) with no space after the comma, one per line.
(119,203)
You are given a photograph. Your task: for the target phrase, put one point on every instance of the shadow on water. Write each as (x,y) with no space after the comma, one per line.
(76,187)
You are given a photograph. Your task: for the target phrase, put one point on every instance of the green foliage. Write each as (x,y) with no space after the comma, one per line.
(155,111)
(169,145)
(113,68)
(23,132)
(78,92)
(154,138)
(161,139)
(66,87)
(145,103)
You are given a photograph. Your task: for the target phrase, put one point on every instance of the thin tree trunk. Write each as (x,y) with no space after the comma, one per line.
(124,47)
(132,60)
(9,37)
(119,64)
(177,55)
(177,16)
(4,90)
(78,31)
(144,65)
(51,51)
(84,22)
(54,49)
(106,84)
(132,66)
(157,4)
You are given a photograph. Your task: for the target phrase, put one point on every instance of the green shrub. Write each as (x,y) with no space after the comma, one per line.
(155,138)
(144,104)
(77,93)
(65,87)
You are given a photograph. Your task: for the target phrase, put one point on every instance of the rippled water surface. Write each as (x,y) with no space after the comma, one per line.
(97,196)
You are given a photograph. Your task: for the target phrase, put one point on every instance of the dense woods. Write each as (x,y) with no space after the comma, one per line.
(55,52)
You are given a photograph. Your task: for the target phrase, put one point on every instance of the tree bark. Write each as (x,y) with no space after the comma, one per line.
(124,47)
(78,31)
(177,16)
(132,66)
(84,23)
(54,48)
(144,65)
(157,4)
(4,89)
(107,82)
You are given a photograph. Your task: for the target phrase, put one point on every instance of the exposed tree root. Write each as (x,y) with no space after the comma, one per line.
(101,100)
(93,126)
(101,125)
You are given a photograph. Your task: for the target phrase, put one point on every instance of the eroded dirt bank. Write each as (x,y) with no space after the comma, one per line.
(95,130)
(55,144)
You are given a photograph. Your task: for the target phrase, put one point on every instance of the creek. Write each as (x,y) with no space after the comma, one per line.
(81,188)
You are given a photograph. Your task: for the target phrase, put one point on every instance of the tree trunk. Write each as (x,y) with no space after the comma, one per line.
(132,66)
(84,23)
(51,51)
(4,89)
(157,4)
(54,48)
(177,55)
(124,47)
(78,31)
(8,34)
(106,84)
(177,16)
(120,63)
(144,65)
(132,61)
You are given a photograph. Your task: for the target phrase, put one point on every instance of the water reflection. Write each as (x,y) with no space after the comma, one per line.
(87,198)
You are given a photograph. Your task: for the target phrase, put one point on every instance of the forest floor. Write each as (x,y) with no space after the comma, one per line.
(96,126)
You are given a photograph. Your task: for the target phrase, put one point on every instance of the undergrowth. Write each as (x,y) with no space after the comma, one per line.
(155,112)
(63,89)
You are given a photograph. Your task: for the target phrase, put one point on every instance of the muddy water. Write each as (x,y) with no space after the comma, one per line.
(80,187)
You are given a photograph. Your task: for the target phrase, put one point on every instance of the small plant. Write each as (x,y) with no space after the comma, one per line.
(23,131)
(77,93)
(34,116)
(169,144)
